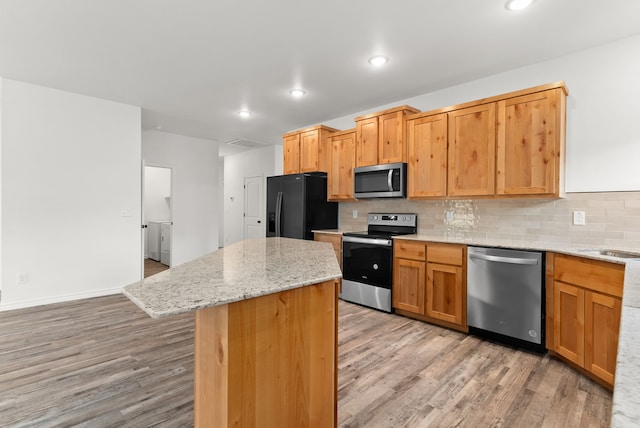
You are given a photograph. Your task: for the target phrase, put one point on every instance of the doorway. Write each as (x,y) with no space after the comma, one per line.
(157,218)
(254,207)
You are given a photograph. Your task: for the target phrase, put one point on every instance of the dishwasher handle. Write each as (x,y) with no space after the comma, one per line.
(500,259)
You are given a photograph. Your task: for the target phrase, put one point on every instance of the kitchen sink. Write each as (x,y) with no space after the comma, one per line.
(614,253)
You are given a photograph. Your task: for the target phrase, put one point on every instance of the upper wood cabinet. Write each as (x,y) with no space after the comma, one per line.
(472,145)
(427,166)
(381,137)
(342,160)
(307,150)
(530,147)
(291,150)
(510,145)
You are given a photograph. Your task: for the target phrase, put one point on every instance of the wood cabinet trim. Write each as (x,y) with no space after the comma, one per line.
(487,100)
(406,108)
(311,128)
(342,133)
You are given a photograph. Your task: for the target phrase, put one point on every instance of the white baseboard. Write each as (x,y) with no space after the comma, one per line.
(58,299)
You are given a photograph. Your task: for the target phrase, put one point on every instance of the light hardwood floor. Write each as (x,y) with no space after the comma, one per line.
(151,267)
(102,362)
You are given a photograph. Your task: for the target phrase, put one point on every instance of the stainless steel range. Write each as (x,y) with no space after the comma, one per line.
(367,259)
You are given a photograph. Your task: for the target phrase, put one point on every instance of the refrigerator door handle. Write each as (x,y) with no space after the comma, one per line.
(278,213)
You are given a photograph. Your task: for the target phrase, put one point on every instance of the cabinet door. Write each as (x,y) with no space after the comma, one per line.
(444,292)
(602,323)
(392,145)
(568,322)
(427,169)
(528,147)
(309,151)
(367,142)
(341,164)
(472,146)
(408,285)
(291,154)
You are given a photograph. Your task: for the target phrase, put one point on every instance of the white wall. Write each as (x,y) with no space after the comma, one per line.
(70,169)
(194,198)
(603,113)
(262,162)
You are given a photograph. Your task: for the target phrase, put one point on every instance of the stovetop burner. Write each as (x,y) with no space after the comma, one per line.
(381,225)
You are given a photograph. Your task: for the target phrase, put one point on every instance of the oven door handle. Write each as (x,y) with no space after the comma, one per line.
(372,241)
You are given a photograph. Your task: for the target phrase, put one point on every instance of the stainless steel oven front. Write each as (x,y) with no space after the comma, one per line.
(367,271)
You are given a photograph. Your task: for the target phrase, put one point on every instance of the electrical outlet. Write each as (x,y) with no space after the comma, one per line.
(125,212)
(355,213)
(579,218)
(21,278)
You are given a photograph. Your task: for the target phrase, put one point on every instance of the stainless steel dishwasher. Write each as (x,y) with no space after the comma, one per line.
(505,296)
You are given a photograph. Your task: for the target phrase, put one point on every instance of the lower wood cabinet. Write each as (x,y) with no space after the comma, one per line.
(583,312)
(444,292)
(409,293)
(429,282)
(334,239)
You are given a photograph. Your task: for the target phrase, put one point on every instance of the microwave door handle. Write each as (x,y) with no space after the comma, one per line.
(390,180)
(278,213)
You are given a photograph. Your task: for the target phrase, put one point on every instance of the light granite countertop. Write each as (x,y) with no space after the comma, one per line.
(243,270)
(626,391)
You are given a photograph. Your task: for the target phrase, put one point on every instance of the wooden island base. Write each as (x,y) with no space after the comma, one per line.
(269,361)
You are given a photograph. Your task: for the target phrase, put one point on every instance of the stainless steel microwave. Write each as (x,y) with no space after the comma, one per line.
(381,181)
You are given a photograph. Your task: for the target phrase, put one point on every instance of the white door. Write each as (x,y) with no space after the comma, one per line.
(254,208)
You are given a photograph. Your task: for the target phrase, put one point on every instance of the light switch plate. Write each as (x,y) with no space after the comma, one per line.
(579,218)
(355,213)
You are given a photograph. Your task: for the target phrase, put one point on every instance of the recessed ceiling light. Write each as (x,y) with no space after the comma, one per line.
(518,4)
(297,92)
(378,60)
(244,113)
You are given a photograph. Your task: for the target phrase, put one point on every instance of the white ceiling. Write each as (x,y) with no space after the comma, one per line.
(192,65)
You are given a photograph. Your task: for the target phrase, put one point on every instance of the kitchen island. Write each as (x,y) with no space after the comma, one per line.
(265,331)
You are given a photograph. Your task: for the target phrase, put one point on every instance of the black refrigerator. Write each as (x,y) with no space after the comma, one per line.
(297,204)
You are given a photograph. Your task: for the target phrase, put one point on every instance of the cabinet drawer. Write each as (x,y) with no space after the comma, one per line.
(596,275)
(447,254)
(414,250)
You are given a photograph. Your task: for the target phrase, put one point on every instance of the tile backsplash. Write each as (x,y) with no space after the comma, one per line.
(612,218)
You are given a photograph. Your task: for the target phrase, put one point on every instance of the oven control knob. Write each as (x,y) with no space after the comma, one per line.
(375,266)
(375,217)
